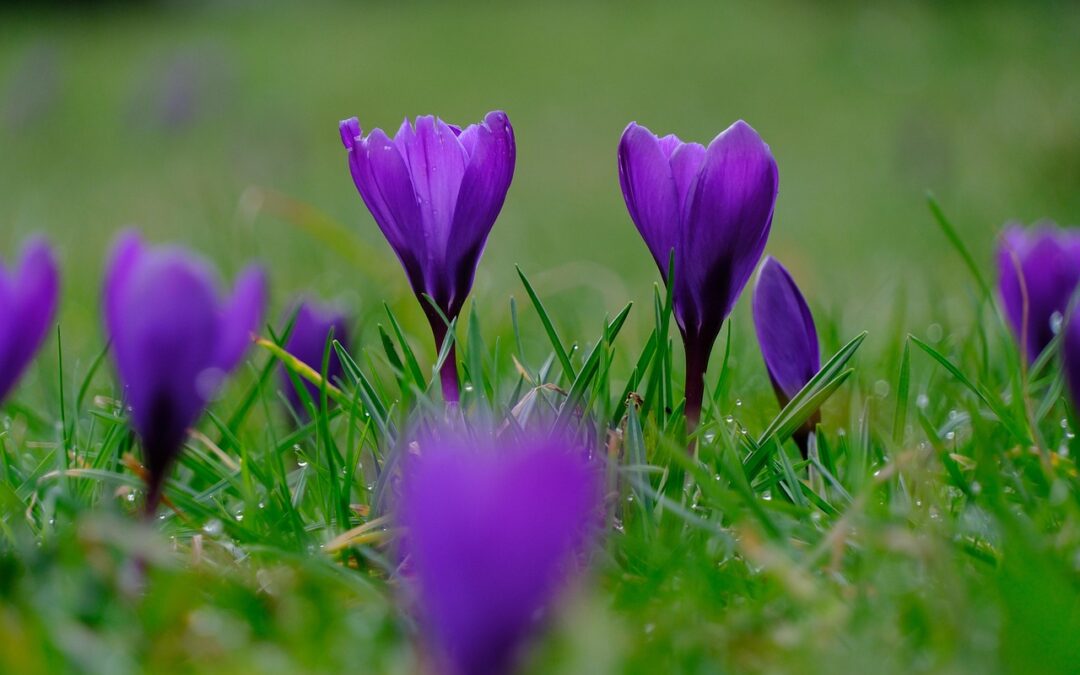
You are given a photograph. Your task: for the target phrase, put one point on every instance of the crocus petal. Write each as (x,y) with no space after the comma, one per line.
(483,190)
(30,298)
(382,177)
(350,132)
(785,329)
(1038,269)
(649,189)
(241,316)
(729,212)
(490,535)
(124,257)
(436,161)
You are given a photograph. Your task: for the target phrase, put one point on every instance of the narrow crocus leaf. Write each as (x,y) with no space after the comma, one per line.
(28,297)
(435,191)
(312,326)
(491,534)
(174,339)
(713,207)
(1038,269)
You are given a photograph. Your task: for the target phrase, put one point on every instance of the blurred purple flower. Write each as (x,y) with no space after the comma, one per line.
(714,207)
(28,297)
(786,333)
(435,191)
(1070,356)
(492,535)
(307,342)
(1046,259)
(174,339)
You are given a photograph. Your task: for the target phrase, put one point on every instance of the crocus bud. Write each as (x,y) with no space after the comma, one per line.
(786,333)
(311,329)
(435,191)
(1042,266)
(174,339)
(28,297)
(713,206)
(491,535)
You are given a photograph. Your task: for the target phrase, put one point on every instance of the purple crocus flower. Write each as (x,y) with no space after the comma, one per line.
(311,328)
(1046,259)
(786,333)
(28,297)
(174,339)
(491,536)
(713,206)
(1070,355)
(435,191)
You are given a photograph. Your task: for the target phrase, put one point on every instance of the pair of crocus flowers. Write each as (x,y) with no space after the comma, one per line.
(435,191)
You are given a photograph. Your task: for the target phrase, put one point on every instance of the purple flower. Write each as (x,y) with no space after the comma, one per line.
(28,297)
(174,339)
(1046,259)
(435,191)
(308,341)
(713,206)
(491,536)
(786,333)
(1070,356)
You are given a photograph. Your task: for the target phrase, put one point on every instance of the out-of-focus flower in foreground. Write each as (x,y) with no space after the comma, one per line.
(174,339)
(28,297)
(1070,356)
(786,333)
(311,328)
(435,191)
(1038,270)
(491,535)
(714,207)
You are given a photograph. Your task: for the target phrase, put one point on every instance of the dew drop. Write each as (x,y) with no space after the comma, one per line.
(881,388)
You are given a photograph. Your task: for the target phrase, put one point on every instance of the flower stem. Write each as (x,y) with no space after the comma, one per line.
(448,375)
(697,360)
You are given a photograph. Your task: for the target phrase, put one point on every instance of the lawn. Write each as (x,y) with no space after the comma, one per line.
(937,529)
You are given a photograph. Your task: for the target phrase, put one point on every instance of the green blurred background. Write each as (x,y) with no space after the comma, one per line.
(214,124)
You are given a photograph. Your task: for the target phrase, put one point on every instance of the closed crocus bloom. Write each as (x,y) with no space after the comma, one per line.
(491,535)
(786,333)
(713,206)
(28,297)
(174,338)
(435,191)
(1041,265)
(312,327)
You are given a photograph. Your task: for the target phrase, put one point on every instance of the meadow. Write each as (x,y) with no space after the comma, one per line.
(936,529)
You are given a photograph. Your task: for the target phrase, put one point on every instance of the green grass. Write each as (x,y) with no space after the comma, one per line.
(942,531)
